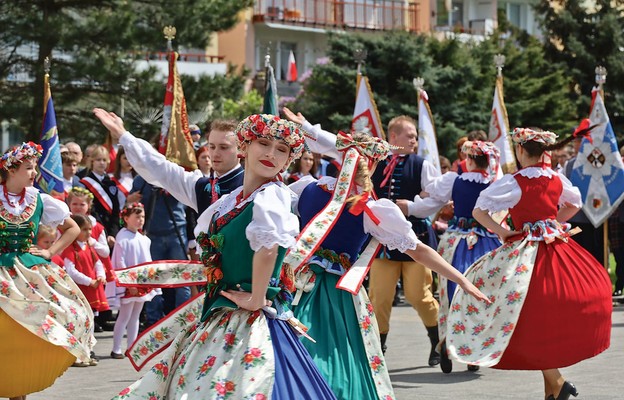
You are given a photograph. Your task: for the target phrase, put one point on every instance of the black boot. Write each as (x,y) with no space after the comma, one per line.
(445,362)
(434,357)
(383,337)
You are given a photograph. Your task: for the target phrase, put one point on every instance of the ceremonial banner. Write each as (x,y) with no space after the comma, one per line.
(427,142)
(175,137)
(598,170)
(365,116)
(499,129)
(50,175)
(292,68)
(270,93)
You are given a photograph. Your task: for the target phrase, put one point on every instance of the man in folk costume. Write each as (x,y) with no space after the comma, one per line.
(401,178)
(190,188)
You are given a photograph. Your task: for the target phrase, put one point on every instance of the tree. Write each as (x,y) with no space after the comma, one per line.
(92,45)
(459,78)
(581,36)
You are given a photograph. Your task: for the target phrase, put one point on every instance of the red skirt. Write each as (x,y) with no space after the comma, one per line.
(96,297)
(566,316)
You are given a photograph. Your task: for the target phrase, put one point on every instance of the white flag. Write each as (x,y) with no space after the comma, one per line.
(499,129)
(365,116)
(598,170)
(427,142)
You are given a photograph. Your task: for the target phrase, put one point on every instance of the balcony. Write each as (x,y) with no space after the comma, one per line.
(382,15)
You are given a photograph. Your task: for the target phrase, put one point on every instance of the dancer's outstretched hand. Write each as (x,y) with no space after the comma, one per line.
(299,118)
(245,300)
(111,121)
(472,290)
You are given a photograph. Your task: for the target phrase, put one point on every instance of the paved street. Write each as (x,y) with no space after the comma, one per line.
(601,378)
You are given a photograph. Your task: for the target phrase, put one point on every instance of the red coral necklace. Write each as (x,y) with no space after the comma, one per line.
(20,200)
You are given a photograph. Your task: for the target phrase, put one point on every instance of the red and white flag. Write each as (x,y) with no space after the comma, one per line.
(292,68)
(427,142)
(175,137)
(499,129)
(365,116)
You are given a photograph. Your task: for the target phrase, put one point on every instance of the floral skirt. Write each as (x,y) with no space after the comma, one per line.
(46,324)
(455,249)
(347,349)
(233,355)
(551,308)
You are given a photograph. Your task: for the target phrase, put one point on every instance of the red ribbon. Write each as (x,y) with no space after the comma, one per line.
(584,130)
(360,205)
(390,168)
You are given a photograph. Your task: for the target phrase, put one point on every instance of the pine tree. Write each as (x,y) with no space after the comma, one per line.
(581,36)
(92,44)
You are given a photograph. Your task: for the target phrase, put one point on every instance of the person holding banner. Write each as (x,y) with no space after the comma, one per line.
(244,345)
(46,323)
(330,298)
(550,299)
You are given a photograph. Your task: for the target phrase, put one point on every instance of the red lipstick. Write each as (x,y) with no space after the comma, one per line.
(267,163)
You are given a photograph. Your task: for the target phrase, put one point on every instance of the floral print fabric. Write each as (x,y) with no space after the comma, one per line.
(479,333)
(229,356)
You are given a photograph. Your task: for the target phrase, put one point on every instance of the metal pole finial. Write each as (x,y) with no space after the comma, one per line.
(499,62)
(169,32)
(601,76)
(46,65)
(419,84)
(359,55)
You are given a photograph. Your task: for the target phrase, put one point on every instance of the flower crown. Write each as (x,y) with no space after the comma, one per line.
(127,210)
(14,157)
(374,148)
(479,148)
(488,149)
(78,191)
(271,126)
(523,135)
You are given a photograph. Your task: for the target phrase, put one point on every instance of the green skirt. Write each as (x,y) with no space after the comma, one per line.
(347,349)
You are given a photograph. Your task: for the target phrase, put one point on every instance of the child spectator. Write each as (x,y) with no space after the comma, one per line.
(80,201)
(131,248)
(123,177)
(108,197)
(70,165)
(87,271)
(45,239)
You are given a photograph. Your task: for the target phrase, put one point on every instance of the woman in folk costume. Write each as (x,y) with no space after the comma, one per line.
(45,321)
(339,217)
(551,304)
(465,240)
(241,348)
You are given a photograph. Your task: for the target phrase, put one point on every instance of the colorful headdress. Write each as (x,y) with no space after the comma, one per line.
(14,157)
(127,210)
(374,149)
(478,148)
(78,191)
(523,135)
(271,126)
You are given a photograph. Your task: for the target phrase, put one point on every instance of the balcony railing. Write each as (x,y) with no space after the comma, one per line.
(194,57)
(355,14)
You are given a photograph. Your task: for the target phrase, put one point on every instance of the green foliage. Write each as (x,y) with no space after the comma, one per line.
(92,44)
(249,103)
(459,79)
(580,37)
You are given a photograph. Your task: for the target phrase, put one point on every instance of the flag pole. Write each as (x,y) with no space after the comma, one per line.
(359,55)
(267,64)
(601,79)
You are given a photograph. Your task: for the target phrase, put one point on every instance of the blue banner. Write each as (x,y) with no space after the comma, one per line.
(50,177)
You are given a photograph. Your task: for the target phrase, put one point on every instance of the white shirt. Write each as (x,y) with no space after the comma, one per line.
(505,193)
